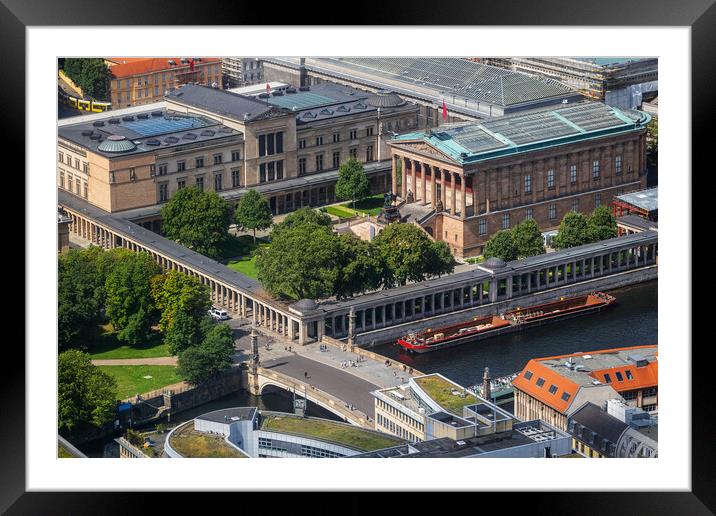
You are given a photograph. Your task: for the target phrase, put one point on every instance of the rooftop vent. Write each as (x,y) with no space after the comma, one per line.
(225,129)
(172,62)
(142,116)
(291,90)
(157,113)
(208,132)
(87,132)
(326,111)
(277,93)
(189,136)
(171,139)
(304,88)
(98,123)
(95,136)
(153,142)
(128,118)
(114,120)
(264,95)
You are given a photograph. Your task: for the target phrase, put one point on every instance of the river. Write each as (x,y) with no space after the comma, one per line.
(633,321)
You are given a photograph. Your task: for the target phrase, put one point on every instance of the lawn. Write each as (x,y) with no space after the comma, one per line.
(368,206)
(340,211)
(476,259)
(131,381)
(351,436)
(240,254)
(441,391)
(103,344)
(193,444)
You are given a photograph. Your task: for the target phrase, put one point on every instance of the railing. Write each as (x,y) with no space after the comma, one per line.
(393,364)
(175,388)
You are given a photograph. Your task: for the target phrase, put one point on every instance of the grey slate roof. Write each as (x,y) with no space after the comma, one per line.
(645,199)
(603,425)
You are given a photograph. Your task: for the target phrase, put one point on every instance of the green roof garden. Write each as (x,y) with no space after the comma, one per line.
(326,430)
(194,444)
(441,391)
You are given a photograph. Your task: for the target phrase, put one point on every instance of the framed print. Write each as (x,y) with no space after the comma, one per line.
(433,236)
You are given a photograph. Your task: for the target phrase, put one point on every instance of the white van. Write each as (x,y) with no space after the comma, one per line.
(218,313)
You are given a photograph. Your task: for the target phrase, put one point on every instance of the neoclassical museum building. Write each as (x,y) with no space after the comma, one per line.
(464,182)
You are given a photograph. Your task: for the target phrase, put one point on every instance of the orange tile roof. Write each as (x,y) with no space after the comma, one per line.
(642,377)
(550,378)
(137,66)
(611,350)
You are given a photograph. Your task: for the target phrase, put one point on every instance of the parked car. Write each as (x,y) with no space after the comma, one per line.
(218,314)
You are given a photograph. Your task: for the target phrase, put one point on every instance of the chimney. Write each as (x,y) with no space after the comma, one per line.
(302,72)
(486,391)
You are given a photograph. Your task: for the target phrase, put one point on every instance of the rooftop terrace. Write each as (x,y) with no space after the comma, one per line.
(446,394)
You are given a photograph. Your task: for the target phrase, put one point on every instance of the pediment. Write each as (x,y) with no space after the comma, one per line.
(425,149)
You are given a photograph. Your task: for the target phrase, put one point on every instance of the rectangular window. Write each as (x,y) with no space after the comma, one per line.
(200,183)
(181,183)
(132,174)
(482,225)
(235,178)
(528,375)
(336,159)
(566,396)
(262,173)
(61,157)
(528,183)
(319,140)
(595,169)
(552,211)
(77,184)
(301,166)
(200,162)
(181,166)
(540,382)
(69,160)
(235,155)
(369,131)
(152,170)
(62,179)
(575,204)
(319,162)
(84,189)
(353,153)
(271,176)
(369,153)
(506,221)
(354,134)
(597,200)
(77,164)
(619,376)
(530,214)
(628,374)
(279,169)
(85,167)
(336,137)
(156,90)
(618,165)
(270,144)
(607,378)
(218,183)
(163,192)
(552,389)
(573,174)
(550,179)
(302,144)
(70,183)
(262,145)
(218,159)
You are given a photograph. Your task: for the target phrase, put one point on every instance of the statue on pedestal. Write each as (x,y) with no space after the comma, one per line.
(389,212)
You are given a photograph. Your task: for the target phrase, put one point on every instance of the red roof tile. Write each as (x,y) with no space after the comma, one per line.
(131,66)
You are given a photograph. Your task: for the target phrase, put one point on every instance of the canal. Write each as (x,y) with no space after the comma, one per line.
(633,321)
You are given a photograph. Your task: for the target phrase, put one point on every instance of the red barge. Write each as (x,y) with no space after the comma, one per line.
(514,320)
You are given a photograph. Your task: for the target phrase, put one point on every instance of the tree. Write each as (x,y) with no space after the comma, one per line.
(198,220)
(176,292)
(572,232)
(501,245)
(183,333)
(407,254)
(91,75)
(86,395)
(204,361)
(82,274)
(360,268)
(253,212)
(652,142)
(352,182)
(305,215)
(129,303)
(441,260)
(601,224)
(301,262)
(528,239)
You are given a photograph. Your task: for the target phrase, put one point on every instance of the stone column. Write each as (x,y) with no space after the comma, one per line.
(433,188)
(443,188)
(453,188)
(394,176)
(414,180)
(463,204)
(424,181)
(404,178)
(351,327)
(475,200)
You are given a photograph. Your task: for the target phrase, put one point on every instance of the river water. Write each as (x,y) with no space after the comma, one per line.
(633,321)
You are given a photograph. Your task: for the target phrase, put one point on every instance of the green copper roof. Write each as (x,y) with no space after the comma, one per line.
(470,142)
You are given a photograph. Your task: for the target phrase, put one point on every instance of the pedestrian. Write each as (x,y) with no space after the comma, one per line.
(305,374)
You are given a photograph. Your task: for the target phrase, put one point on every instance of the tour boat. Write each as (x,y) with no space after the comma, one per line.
(482,327)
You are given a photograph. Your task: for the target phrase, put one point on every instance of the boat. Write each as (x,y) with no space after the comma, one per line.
(514,320)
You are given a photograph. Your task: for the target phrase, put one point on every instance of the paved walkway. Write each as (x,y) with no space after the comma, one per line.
(136,361)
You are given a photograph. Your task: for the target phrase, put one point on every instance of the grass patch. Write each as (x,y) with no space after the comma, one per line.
(441,391)
(246,265)
(239,254)
(340,211)
(103,344)
(368,206)
(476,259)
(130,381)
(193,444)
(345,434)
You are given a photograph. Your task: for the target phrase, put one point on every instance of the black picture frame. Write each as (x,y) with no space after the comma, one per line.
(699,15)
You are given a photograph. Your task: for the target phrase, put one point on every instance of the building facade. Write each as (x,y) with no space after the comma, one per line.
(140,81)
(475,179)
(553,388)
(241,71)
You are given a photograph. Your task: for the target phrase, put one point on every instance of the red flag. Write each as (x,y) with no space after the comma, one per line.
(191,65)
(444,111)
(268,89)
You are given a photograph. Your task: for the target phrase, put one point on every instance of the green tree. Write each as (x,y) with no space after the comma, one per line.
(573,231)
(501,245)
(129,303)
(352,182)
(301,262)
(528,239)
(652,142)
(601,224)
(441,260)
(360,269)
(184,332)
(198,220)
(305,215)
(176,292)
(90,74)
(253,212)
(407,254)
(204,361)
(86,395)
